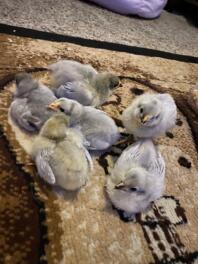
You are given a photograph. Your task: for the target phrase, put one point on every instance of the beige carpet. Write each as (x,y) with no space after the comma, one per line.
(170,32)
(83,227)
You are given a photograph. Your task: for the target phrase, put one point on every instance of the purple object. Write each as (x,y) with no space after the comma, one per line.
(142,8)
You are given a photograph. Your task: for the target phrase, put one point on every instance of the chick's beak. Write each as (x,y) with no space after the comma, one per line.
(54,106)
(146,118)
(120,185)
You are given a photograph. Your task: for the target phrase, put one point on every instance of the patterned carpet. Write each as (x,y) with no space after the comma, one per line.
(39,224)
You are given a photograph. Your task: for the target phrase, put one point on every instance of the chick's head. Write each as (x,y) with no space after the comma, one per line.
(148,110)
(133,194)
(114,81)
(67,106)
(134,181)
(55,127)
(22,76)
(24,83)
(106,81)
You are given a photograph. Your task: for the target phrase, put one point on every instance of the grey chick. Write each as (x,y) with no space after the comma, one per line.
(28,109)
(150,115)
(81,82)
(137,178)
(59,154)
(99,130)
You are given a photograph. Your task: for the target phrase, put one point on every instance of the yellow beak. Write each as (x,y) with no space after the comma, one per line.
(119,185)
(146,118)
(54,106)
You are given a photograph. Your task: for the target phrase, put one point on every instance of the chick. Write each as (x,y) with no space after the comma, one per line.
(60,156)
(68,71)
(137,178)
(150,115)
(28,109)
(99,130)
(82,82)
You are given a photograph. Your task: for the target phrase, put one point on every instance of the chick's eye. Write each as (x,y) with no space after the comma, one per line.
(133,189)
(61,109)
(141,110)
(157,116)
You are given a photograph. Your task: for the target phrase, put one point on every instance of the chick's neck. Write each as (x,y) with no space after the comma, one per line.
(54,132)
(76,114)
(100,83)
(24,90)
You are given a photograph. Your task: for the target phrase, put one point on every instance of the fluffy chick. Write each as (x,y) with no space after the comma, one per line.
(137,178)
(99,130)
(29,109)
(81,82)
(150,115)
(60,156)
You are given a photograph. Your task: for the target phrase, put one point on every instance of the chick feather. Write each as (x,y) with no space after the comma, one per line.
(60,155)
(81,82)
(29,107)
(137,178)
(150,115)
(99,130)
